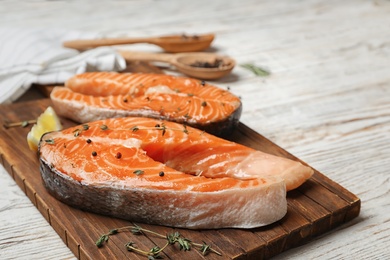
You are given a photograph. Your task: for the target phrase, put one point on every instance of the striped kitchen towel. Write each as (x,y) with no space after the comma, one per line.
(30,56)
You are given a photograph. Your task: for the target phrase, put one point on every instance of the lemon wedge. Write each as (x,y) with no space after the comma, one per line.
(48,121)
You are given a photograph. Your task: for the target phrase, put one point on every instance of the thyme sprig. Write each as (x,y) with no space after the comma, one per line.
(21,123)
(154,253)
(258,71)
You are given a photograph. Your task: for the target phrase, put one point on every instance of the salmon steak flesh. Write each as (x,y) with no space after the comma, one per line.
(165,173)
(100,95)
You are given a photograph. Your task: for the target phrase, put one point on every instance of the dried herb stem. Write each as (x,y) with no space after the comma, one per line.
(21,123)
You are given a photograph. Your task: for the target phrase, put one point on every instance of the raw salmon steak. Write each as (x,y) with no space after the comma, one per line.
(161,172)
(100,95)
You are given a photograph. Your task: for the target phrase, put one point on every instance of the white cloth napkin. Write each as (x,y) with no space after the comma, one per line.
(30,56)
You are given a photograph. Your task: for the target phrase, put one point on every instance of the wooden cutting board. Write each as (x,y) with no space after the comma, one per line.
(316,207)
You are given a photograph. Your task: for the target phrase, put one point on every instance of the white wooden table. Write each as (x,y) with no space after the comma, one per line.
(327,100)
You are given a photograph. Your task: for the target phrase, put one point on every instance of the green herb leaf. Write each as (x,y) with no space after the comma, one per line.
(134,128)
(50,141)
(184,244)
(155,250)
(185,130)
(85,127)
(163,128)
(205,248)
(130,246)
(171,237)
(258,71)
(113,231)
(136,230)
(24,123)
(138,172)
(101,240)
(76,132)
(103,127)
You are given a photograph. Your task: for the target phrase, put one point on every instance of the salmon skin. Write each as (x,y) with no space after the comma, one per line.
(165,173)
(100,95)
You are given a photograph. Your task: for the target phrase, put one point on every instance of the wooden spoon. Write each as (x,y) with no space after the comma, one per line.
(200,65)
(173,43)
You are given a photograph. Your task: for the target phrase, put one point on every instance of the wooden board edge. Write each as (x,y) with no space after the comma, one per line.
(354,210)
(7,166)
(343,215)
(351,212)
